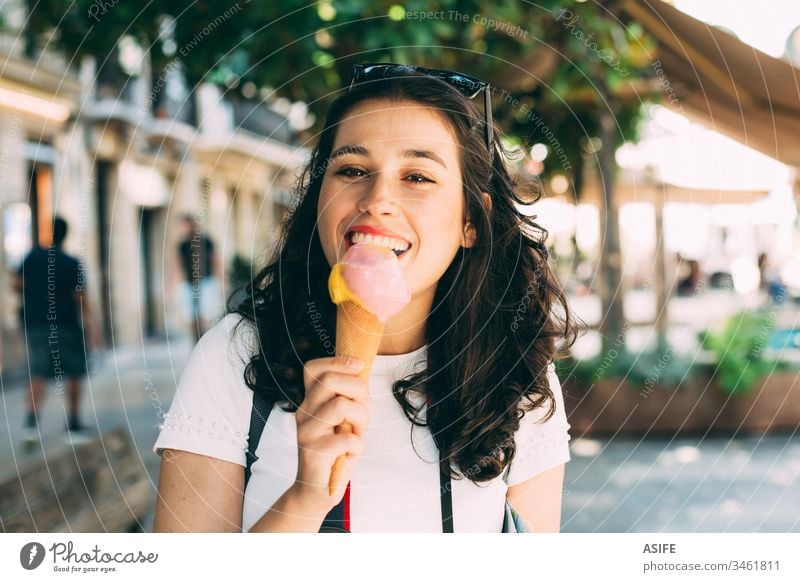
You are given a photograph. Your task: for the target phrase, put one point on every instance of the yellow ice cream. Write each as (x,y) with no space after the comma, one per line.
(338,288)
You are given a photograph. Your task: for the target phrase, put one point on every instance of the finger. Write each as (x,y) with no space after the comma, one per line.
(328,448)
(342,410)
(314,369)
(332,384)
(333,413)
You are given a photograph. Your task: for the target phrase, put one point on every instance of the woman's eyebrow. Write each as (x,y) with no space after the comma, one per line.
(349,149)
(360,150)
(424,154)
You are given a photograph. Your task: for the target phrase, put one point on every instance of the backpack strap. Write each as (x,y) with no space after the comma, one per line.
(445,483)
(262,406)
(446,487)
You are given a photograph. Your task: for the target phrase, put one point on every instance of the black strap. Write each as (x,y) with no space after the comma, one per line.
(262,406)
(445,483)
(334,521)
(446,489)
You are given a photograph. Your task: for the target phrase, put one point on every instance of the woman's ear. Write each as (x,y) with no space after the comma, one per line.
(469,227)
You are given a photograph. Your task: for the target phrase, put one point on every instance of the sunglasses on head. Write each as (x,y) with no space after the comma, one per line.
(469,87)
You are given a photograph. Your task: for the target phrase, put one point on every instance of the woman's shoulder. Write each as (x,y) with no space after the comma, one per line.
(233,336)
(210,412)
(217,363)
(227,327)
(542,442)
(557,422)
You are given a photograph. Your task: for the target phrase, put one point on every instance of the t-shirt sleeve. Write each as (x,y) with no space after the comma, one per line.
(541,445)
(210,413)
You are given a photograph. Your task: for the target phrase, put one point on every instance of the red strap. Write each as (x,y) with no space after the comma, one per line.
(347,507)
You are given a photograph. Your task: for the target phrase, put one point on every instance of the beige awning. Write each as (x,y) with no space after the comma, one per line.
(627,191)
(726,84)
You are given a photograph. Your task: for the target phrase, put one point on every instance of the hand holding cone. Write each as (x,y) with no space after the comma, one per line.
(368,288)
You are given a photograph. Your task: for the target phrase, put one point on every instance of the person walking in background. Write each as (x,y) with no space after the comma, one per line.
(201,272)
(690,279)
(54,315)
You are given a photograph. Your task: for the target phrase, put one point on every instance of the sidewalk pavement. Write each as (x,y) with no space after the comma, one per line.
(703,484)
(128,387)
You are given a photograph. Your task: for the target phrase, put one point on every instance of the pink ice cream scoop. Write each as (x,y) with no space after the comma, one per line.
(370,275)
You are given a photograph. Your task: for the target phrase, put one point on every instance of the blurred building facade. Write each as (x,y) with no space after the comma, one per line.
(121,152)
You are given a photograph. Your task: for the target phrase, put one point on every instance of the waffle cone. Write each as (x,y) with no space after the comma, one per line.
(358,335)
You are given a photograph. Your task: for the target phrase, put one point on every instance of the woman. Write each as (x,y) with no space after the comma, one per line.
(462,412)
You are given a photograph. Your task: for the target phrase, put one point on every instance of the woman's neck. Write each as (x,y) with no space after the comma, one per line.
(405,332)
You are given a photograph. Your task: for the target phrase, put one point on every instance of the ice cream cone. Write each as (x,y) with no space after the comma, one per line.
(368,288)
(358,335)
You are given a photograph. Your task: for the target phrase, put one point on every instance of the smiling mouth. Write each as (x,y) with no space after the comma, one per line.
(397,245)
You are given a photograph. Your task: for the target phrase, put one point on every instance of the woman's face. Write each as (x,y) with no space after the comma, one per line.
(395,168)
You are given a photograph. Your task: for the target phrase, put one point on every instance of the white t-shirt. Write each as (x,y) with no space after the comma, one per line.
(394,487)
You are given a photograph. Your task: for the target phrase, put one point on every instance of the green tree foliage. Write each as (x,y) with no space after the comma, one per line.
(304,52)
(739,350)
(567,74)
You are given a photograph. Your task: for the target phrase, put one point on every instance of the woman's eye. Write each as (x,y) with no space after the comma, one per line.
(418,178)
(350,172)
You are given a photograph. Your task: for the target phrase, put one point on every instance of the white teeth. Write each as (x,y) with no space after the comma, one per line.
(395,244)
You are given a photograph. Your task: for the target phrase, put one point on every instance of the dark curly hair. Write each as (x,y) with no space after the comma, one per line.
(498,313)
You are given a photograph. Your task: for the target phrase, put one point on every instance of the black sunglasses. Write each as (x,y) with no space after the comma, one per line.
(469,87)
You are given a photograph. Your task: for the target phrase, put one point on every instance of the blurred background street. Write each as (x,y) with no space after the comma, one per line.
(170,137)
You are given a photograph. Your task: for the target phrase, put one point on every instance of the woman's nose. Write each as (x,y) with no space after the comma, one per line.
(379,196)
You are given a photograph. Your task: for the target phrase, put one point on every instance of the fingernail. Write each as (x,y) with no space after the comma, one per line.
(354,363)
